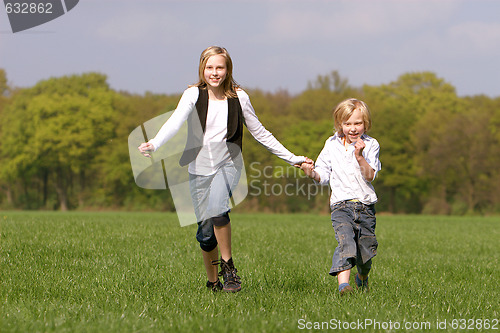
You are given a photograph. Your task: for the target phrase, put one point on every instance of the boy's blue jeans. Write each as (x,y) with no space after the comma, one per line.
(354,225)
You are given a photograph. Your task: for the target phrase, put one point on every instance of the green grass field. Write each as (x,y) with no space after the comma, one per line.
(142,272)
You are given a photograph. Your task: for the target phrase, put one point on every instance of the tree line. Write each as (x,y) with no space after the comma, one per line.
(63,145)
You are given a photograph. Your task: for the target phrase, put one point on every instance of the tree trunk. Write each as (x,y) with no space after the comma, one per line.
(45,178)
(61,190)
(10,199)
(81,192)
(8,193)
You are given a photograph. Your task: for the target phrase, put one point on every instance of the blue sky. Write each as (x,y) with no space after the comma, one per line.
(154,45)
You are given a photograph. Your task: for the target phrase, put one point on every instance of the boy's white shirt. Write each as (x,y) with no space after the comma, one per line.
(337,165)
(217,113)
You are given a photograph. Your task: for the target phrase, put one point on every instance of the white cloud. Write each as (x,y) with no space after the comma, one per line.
(155,44)
(136,25)
(354,19)
(479,36)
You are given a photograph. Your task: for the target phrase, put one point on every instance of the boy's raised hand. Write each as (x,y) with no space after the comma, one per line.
(358,147)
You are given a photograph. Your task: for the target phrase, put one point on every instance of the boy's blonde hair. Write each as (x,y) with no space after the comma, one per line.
(229,85)
(344,111)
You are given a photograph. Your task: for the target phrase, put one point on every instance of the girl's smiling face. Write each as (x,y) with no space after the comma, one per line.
(215,71)
(353,127)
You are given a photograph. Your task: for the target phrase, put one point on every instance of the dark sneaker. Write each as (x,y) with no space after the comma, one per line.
(215,286)
(346,291)
(232,281)
(362,284)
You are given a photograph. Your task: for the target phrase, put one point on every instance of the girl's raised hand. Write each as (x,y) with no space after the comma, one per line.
(146,149)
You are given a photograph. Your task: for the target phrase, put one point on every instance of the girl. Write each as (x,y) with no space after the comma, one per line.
(213,152)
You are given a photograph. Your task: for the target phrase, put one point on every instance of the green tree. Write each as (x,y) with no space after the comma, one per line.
(54,129)
(407,114)
(63,144)
(117,188)
(465,155)
(4,87)
(332,82)
(5,185)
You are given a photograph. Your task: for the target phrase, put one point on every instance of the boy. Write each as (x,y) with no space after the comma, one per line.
(349,161)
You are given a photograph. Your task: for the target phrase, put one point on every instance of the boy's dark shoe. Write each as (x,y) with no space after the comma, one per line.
(215,286)
(232,281)
(346,291)
(362,284)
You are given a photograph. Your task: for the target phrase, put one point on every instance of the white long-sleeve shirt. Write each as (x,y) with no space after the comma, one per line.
(337,165)
(216,130)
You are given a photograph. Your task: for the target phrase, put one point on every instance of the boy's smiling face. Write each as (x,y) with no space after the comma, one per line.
(353,127)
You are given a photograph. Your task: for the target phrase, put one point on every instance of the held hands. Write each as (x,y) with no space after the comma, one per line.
(307,161)
(146,149)
(308,168)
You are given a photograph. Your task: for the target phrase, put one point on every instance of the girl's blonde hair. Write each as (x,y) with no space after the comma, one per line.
(344,111)
(229,85)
